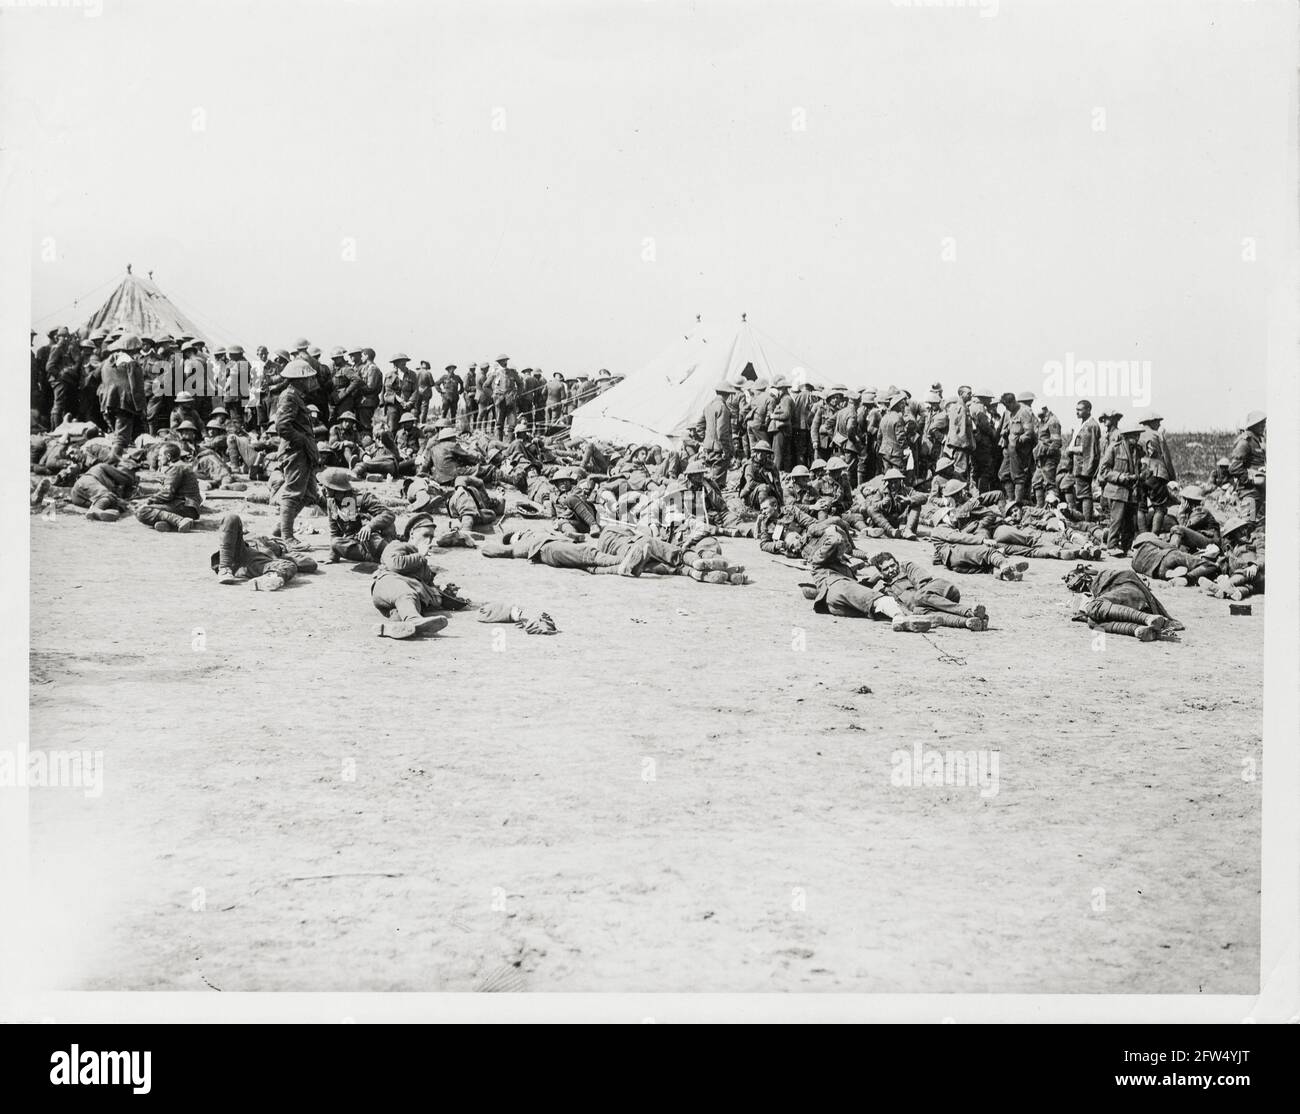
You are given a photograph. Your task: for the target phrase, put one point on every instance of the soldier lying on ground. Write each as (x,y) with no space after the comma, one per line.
(105,489)
(1121,603)
(922,593)
(548,546)
(265,563)
(405,592)
(965,557)
(1163,560)
(835,589)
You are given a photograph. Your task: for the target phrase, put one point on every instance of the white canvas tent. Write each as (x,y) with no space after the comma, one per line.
(656,404)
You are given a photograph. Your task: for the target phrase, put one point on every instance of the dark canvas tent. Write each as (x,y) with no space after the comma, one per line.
(138,306)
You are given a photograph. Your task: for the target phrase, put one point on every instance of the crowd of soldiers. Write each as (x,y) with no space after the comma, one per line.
(814,475)
(66,378)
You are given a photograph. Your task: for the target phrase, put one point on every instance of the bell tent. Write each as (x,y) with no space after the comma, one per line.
(138,306)
(658,403)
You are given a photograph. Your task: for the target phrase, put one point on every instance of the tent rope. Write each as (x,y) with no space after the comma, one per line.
(75,301)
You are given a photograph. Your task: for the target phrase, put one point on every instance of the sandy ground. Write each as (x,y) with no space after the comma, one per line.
(691,787)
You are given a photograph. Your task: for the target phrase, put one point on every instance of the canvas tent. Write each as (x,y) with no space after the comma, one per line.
(140,307)
(656,404)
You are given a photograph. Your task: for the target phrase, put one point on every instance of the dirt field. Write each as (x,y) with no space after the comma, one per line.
(691,787)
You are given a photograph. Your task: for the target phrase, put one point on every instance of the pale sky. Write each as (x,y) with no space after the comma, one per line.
(572,182)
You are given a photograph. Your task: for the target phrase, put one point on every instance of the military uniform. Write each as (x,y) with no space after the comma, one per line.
(717,446)
(348,512)
(177,501)
(122,397)
(1120,472)
(1157,472)
(1085,453)
(449,389)
(847,440)
(1019,437)
(298,457)
(1246,458)
(1047,457)
(258,557)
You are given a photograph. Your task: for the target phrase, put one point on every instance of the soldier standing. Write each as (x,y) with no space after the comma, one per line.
(298,453)
(121,390)
(1246,466)
(1047,455)
(449,388)
(1085,453)
(1121,470)
(717,446)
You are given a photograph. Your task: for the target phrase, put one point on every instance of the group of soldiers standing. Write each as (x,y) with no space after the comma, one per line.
(181,373)
(992,442)
(987,479)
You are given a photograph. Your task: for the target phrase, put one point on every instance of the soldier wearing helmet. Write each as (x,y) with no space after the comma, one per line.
(1047,455)
(759,476)
(360,524)
(797,488)
(1121,471)
(1246,465)
(1018,437)
(1158,473)
(887,506)
(299,456)
(575,514)
(121,390)
(175,505)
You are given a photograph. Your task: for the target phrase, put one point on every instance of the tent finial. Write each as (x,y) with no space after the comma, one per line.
(128,268)
(744,317)
(697,318)
(151,276)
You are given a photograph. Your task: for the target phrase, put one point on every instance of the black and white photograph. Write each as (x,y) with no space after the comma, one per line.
(752,502)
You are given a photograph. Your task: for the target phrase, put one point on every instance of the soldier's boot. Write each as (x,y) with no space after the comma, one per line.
(635,560)
(288,516)
(1140,631)
(1158,521)
(1103,611)
(268,582)
(1086,505)
(1007,569)
(1040,497)
(395,629)
(943,619)
(899,619)
(168,523)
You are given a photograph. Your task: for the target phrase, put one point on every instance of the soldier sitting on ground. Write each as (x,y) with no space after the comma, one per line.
(360,524)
